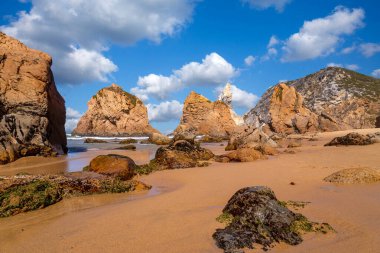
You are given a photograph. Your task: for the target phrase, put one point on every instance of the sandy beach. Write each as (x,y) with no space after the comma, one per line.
(178,214)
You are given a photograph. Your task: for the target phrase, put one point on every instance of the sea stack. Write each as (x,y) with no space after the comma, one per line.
(204,117)
(226,97)
(114,112)
(32,111)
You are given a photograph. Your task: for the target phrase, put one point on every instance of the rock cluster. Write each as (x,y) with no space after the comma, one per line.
(159,139)
(26,193)
(114,112)
(352,139)
(354,176)
(182,152)
(203,117)
(32,112)
(255,216)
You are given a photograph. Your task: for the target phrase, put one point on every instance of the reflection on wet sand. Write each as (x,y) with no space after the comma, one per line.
(78,157)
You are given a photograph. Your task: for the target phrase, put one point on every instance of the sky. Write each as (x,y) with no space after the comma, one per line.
(160,50)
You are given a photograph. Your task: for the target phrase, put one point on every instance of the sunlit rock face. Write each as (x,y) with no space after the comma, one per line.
(32,112)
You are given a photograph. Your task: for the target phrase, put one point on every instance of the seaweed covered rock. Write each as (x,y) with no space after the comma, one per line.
(354,176)
(255,216)
(20,194)
(118,166)
(128,141)
(127,147)
(182,152)
(93,140)
(352,139)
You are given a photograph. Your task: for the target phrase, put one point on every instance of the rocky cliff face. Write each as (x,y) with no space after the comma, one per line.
(343,95)
(282,110)
(32,111)
(114,112)
(203,117)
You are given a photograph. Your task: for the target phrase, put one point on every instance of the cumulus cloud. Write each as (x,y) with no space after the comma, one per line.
(369,49)
(213,70)
(320,37)
(273,41)
(347,66)
(77,33)
(72,118)
(249,60)
(240,98)
(265,4)
(165,111)
(348,50)
(376,73)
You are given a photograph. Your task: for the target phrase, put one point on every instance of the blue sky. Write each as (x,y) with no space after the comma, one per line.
(163,49)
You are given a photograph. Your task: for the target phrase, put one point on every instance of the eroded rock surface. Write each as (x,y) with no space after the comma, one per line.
(249,137)
(118,166)
(32,112)
(203,117)
(114,112)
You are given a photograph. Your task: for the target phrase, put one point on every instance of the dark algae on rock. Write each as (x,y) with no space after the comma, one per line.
(254,216)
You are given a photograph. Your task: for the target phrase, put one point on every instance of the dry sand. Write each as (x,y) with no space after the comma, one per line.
(178,215)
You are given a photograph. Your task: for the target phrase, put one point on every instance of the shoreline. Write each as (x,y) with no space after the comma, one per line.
(181,218)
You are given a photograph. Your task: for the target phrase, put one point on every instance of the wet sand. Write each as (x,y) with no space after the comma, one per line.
(179,215)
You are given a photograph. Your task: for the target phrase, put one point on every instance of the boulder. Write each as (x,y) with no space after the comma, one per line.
(127,147)
(241,155)
(254,216)
(32,112)
(352,139)
(182,153)
(118,166)
(204,117)
(128,141)
(210,139)
(114,112)
(354,176)
(249,137)
(159,139)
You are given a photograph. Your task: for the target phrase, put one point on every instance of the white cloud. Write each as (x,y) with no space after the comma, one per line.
(348,50)
(376,73)
(72,118)
(71,29)
(273,41)
(213,70)
(369,49)
(165,111)
(249,60)
(352,66)
(271,53)
(265,4)
(347,66)
(321,36)
(240,98)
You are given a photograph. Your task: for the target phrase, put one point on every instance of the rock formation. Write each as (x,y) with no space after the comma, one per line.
(354,176)
(114,112)
(342,95)
(118,166)
(253,215)
(203,117)
(281,108)
(226,97)
(32,112)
